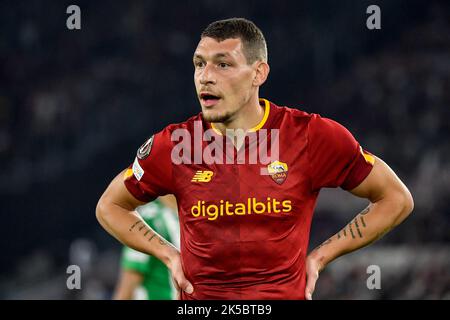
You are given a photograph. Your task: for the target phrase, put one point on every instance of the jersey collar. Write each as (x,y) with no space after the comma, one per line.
(260,124)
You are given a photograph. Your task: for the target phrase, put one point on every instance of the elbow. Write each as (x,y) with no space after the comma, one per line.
(409,203)
(406,205)
(100,210)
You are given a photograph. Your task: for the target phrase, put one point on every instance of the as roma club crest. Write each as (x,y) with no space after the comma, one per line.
(278,171)
(145,149)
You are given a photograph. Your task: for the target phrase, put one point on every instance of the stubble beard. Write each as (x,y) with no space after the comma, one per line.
(219,118)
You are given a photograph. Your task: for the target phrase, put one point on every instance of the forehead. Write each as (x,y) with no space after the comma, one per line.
(209,47)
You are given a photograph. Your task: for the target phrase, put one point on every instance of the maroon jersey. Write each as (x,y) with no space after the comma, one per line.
(245,226)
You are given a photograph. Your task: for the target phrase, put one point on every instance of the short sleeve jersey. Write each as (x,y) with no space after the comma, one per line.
(245,223)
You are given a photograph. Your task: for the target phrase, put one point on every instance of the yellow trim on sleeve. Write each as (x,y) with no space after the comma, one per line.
(127,174)
(368,157)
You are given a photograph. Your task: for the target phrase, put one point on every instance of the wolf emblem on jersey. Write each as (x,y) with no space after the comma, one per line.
(278,171)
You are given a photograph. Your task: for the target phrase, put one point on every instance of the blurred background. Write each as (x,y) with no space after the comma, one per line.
(76,104)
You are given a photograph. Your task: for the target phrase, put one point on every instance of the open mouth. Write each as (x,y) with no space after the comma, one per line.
(209,99)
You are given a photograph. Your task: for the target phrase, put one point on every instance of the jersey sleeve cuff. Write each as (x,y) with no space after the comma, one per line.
(358,173)
(136,191)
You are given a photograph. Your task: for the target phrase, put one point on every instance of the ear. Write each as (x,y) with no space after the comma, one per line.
(262,71)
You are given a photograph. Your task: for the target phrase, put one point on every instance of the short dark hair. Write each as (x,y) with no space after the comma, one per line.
(254,44)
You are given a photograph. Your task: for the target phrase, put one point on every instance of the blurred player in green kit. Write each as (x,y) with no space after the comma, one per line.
(142,276)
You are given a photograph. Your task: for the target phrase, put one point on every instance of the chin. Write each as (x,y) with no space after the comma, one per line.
(212,116)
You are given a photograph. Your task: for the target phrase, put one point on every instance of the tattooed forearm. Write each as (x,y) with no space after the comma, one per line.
(362,221)
(148,230)
(365,211)
(153,235)
(145,227)
(135,224)
(361,217)
(324,243)
(357,227)
(351,230)
(149,233)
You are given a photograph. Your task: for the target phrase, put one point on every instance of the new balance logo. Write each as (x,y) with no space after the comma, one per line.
(202,176)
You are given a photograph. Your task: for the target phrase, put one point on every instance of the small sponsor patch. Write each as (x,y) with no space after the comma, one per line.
(145,149)
(137,170)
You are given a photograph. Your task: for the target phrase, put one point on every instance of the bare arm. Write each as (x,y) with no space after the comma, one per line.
(128,282)
(390,204)
(170,201)
(116,213)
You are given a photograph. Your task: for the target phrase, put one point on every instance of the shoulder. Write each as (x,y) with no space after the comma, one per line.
(162,139)
(314,121)
(187,124)
(309,125)
(303,117)
(326,127)
(291,116)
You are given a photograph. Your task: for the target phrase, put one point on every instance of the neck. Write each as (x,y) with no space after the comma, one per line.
(248,117)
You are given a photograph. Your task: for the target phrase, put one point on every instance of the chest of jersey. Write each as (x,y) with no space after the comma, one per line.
(238,198)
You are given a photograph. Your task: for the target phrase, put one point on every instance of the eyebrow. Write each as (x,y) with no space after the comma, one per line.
(216,56)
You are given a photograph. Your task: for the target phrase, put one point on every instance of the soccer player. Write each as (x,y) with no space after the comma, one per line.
(142,276)
(245,225)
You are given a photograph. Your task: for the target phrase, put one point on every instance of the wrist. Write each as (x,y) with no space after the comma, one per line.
(319,259)
(172,258)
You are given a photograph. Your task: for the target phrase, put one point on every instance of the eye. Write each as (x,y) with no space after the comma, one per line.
(199,64)
(223,65)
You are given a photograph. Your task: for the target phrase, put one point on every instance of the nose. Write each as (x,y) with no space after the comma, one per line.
(207,76)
